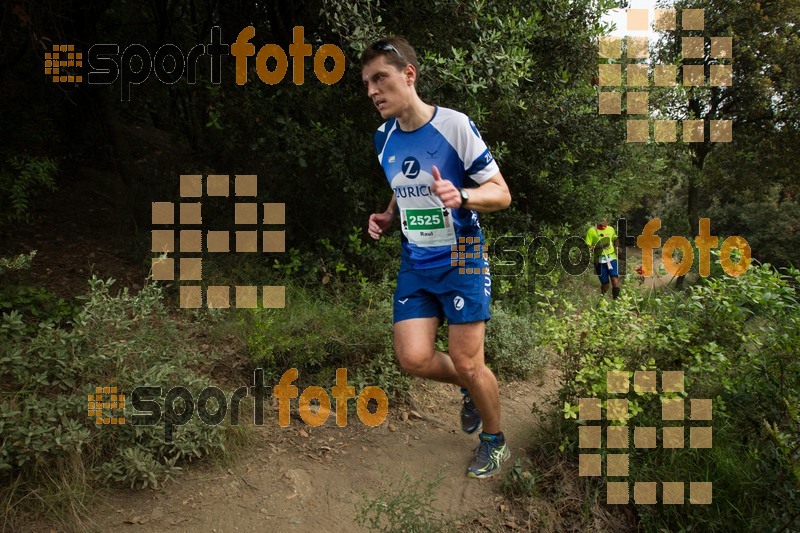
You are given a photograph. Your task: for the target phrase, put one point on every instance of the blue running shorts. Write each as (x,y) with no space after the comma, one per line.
(444,292)
(604,270)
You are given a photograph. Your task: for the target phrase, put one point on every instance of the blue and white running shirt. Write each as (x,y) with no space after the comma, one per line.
(451,142)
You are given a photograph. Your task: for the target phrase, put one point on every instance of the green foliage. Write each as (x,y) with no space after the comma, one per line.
(16,263)
(327,329)
(747,187)
(22,177)
(25,308)
(343,263)
(520,480)
(523,267)
(408,508)
(513,347)
(736,339)
(29,308)
(46,374)
(768,225)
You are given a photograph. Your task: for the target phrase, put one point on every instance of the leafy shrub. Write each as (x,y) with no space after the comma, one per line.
(520,480)
(45,377)
(513,348)
(22,177)
(736,339)
(350,261)
(37,305)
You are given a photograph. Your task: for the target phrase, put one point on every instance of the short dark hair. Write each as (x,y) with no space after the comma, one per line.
(396,50)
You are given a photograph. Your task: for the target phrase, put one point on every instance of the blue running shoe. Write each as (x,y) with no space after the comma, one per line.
(489,456)
(470,417)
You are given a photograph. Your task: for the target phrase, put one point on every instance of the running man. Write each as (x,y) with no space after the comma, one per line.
(442,175)
(602,239)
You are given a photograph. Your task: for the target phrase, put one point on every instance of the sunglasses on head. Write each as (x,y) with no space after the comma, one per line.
(383,46)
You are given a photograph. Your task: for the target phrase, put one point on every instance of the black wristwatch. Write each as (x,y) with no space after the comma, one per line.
(464,197)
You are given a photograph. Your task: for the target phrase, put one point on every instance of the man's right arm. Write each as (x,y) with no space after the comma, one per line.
(380,222)
(590,238)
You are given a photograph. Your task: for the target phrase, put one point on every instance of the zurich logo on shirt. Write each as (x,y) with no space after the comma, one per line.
(411,168)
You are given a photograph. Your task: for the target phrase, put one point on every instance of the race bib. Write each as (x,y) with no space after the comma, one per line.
(606,259)
(428,227)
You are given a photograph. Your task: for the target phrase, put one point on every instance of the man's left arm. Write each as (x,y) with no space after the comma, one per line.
(491,195)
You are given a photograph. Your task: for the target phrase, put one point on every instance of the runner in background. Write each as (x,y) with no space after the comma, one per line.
(602,239)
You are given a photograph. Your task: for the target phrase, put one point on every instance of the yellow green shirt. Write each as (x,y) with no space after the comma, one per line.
(606,237)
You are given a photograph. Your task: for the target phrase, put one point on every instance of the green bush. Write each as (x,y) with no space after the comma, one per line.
(35,306)
(513,347)
(21,178)
(325,329)
(46,375)
(736,339)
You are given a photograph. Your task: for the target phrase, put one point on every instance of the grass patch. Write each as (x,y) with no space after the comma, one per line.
(409,507)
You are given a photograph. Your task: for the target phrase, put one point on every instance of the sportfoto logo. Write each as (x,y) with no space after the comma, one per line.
(698,69)
(169,63)
(185,260)
(617,427)
(108,406)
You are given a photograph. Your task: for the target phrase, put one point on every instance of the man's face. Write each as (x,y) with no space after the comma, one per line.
(386,86)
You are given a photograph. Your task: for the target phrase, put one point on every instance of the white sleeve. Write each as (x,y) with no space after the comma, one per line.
(479,164)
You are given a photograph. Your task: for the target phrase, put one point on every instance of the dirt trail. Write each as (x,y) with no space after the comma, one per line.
(289,482)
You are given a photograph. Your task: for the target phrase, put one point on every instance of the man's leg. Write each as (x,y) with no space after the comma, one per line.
(466,342)
(613,272)
(414,341)
(466,350)
(602,274)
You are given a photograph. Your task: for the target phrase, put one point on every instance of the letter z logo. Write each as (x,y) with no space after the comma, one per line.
(411,168)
